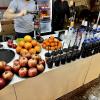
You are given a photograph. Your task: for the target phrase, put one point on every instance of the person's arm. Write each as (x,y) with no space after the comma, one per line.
(12,11)
(67,10)
(10,14)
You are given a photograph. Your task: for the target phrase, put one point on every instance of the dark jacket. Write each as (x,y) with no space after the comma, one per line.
(60,10)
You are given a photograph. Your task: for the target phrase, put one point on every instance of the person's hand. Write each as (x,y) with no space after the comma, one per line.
(22,13)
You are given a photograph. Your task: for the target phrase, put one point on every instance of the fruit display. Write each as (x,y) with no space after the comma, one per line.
(11,44)
(6,74)
(28,66)
(51,43)
(27,46)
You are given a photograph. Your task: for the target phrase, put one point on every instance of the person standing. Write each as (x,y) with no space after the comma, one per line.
(60,12)
(72,10)
(23,21)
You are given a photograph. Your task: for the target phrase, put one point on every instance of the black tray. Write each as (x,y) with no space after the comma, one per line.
(6,55)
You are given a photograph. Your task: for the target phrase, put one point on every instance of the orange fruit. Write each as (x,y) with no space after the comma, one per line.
(18,49)
(56,43)
(38,43)
(27,38)
(50,40)
(56,40)
(47,40)
(23,52)
(43,45)
(32,51)
(52,48)
(59,45)
(52,37)
(44,42)
(52,44)
(34,43)
(56,47)
(37,48)
(28,45)
(47,43)
(47,48)
(21,43)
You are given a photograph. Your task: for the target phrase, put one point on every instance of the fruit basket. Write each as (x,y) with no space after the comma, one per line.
(11,44)
(28,46)
(29,66)
(51,43)
(6,74)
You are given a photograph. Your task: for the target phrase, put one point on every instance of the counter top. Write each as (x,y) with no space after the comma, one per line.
(53,83)
(18,79)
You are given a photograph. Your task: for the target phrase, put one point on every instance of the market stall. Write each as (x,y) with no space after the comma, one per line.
(60,64)
(54,82)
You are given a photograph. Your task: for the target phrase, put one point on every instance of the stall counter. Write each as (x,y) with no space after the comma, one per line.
(52,83)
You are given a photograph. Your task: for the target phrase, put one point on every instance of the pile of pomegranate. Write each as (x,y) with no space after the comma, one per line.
(11,44)
(6,74)
(29,66)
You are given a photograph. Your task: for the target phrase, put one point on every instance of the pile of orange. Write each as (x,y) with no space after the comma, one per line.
(51,43)
(27,45)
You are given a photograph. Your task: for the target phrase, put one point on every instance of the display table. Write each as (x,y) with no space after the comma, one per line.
(52,83)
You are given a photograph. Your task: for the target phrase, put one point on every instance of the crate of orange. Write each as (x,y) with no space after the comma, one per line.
(27,46)
(51,43)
